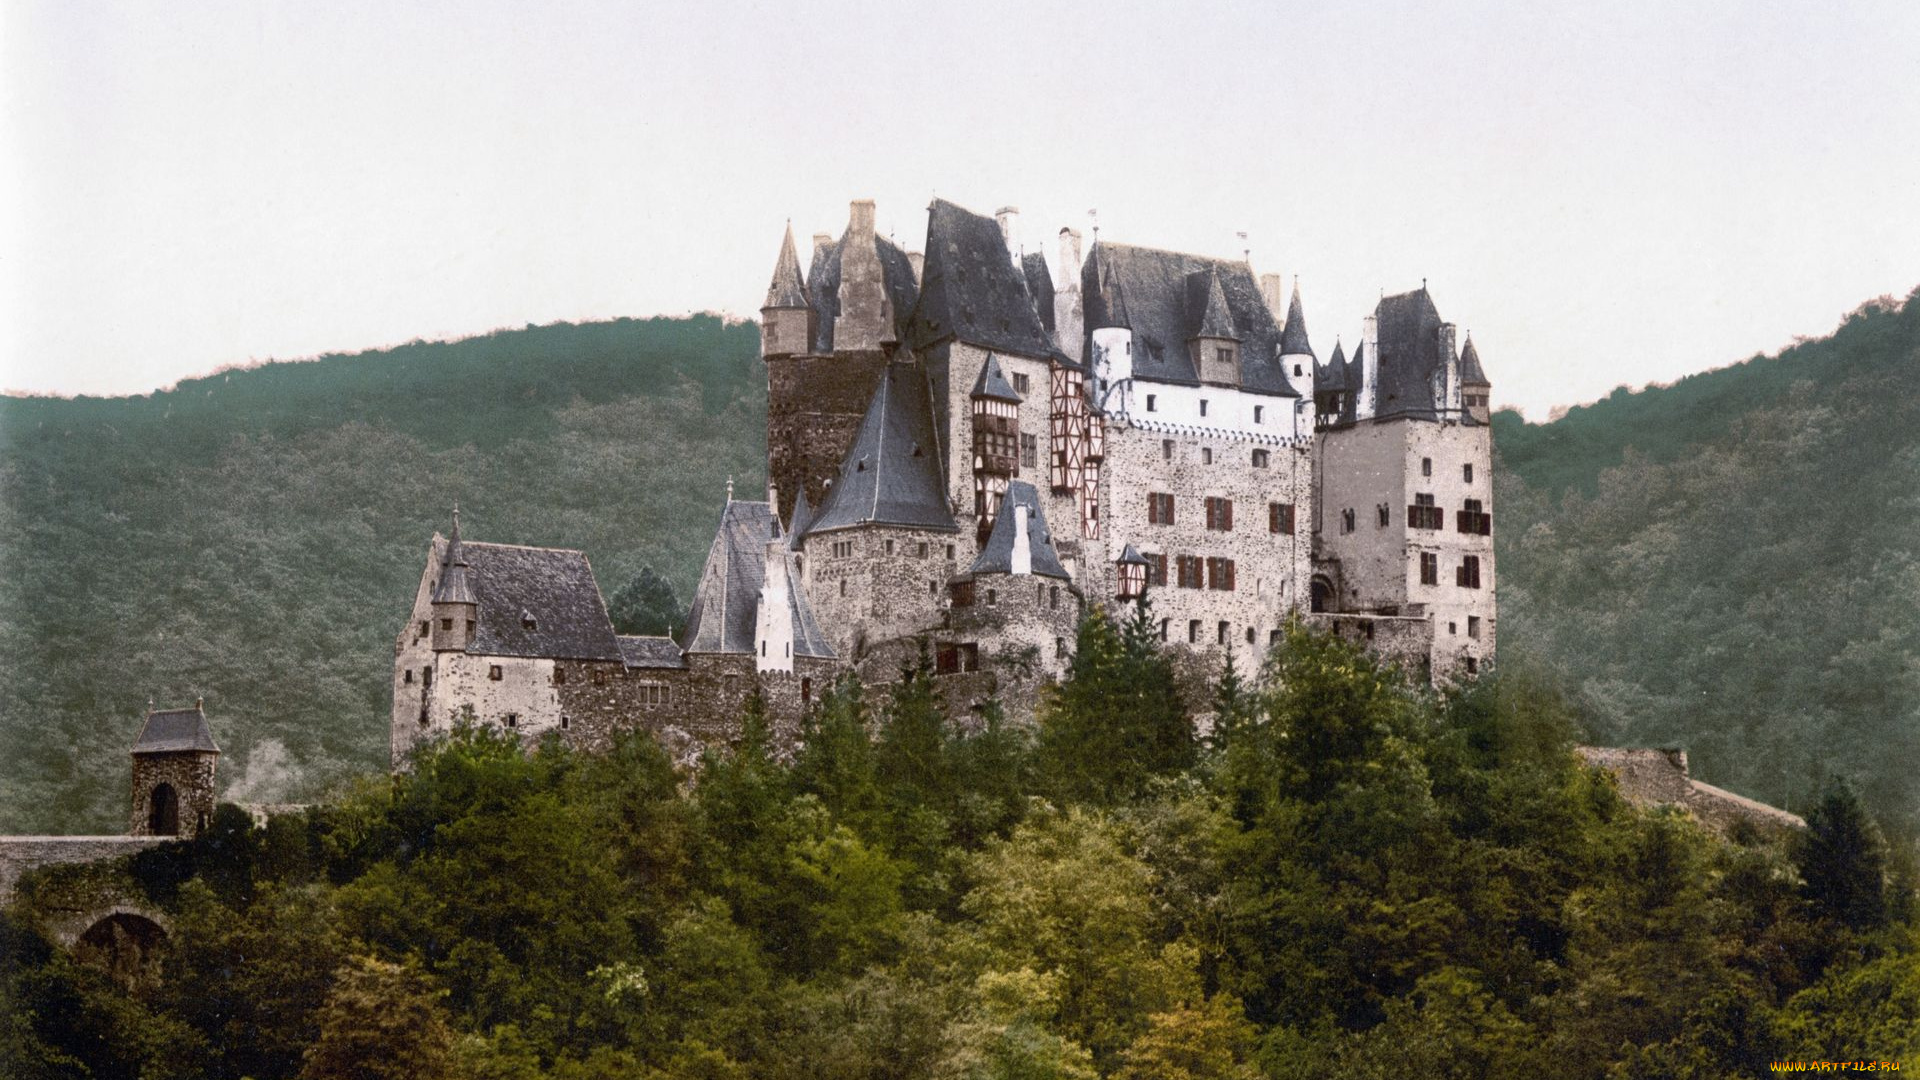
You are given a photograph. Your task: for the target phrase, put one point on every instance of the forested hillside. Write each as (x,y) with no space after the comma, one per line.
(255,536)
(1732,563)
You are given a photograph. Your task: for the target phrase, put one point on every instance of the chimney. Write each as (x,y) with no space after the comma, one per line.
(1070,257)
(865,315)
(918,261)
(1449,370)
(860,218)
(1009,219)
(1069,314)
(1270,292)
(822,240)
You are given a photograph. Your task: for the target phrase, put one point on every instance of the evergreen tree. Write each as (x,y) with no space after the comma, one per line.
(646,604)
(835,762)
(1117,720)
(1843,861)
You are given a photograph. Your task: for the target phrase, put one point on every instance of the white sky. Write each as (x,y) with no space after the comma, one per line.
(1603,192)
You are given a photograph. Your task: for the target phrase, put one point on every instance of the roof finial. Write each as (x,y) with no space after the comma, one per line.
(1094,214)
(456,519)
(199,703)
(149,702)
(1246,249)
(729,487)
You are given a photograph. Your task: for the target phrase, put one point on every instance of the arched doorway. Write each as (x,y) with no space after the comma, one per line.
(1322,595)
(163,811)
(124,945)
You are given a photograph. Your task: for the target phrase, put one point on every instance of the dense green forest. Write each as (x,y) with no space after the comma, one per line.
(1731,564)
(1728,564)
(1349,877)
(255,537)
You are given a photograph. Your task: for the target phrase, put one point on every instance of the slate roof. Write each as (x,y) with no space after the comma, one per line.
(172,731)
(1471,373)
(891,475)
(1410,360)
(997,556)
(554,588)
(1039,288)
(1146,290)
(1204,295)
(726,603)
(823,286)
(726,607)
(802,520)
(786,290)
(971,289)
(651,652)
(1293,336)
(992,383)
(455,585)
(1332,375)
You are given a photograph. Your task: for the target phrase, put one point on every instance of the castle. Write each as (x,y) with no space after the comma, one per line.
(966,448)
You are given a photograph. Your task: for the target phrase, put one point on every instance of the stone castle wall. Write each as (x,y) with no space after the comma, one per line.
(191,775)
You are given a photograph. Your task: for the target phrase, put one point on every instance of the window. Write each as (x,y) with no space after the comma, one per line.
(1219,514)
(599,676)
(1296,371)
(1206,455)
(1029,451)
(1163,628)
(1156,569)
(527,622)
(1252,635)
(408,679)
(1223,354)
(889,547)
(1203,406)
(933,589)
(469,627)
(1220,574)
(1453,628)
(1153,404)
(1426,466)
(493,672)
(1159,509)
(1466,472)
(1424,515)
(1021,384)
(656,694)
(1429,568)
(513,720)
(423,629)
(1258,411)
(949,552)
(559,676)
(1166,454)
(806,691)
(1467,576)
(731,684)
(426,678)
(1473,626)
(922,552)
(1193,631)
(566,722)
(1190,571)
(843,586)
(992,597)
(1260,459)
(1386,516)
(446,624)
(843,549)
(1475,520)
(1280,518)
(1220,635)
(1059,646)
(1346,520)
(1473,666)
(1053,597)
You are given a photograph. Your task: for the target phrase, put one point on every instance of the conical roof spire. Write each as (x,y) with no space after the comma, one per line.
(1333,376)
(1215,320)
(1471,373)
(787,289)
(992,382)
(1293,338)
(454,587)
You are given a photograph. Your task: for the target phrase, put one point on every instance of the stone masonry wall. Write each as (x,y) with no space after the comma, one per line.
(190,774)
(1271,570)
(814,408)
(874,594)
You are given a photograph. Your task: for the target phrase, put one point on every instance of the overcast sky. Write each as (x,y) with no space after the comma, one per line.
(1602,192)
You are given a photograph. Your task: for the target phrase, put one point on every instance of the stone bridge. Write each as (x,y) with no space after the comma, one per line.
(90,904)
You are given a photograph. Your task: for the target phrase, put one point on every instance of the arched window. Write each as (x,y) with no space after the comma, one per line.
(163,811)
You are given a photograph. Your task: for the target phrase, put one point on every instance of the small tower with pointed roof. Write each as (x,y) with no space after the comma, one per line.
(1475,391)
(786,318)
(1215,343)
(1296,352)
(173,764)
(456,608)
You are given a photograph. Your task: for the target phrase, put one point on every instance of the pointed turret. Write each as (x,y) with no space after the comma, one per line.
(456,608)
(1475,389)
(1293,337)
(1214,343)
(1330,393)
(801,521)
(993,383)
(786,318)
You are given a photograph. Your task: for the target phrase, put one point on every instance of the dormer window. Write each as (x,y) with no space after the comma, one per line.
(1224,354)
(528,622)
